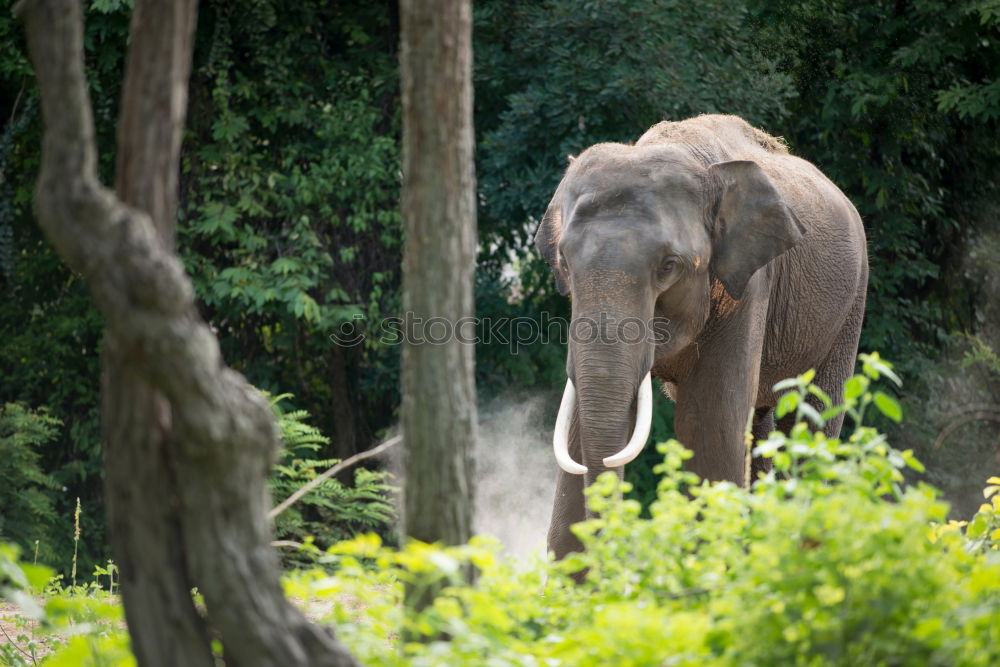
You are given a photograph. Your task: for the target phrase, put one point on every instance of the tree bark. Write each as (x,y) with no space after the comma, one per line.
(189,442)
(139,466)
(439,215)
(345,436)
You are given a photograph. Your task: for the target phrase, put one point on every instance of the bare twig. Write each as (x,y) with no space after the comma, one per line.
(690,592)
(971,414)
(17,101)
(14,644)
(973,407)
(330,472)
(292,544)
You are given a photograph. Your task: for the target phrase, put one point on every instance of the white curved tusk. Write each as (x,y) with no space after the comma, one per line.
(560,439)
(643,420)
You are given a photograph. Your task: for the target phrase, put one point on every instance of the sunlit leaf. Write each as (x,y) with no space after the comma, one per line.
(888,406)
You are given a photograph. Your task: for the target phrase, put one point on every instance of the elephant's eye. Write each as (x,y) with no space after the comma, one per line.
(667,266)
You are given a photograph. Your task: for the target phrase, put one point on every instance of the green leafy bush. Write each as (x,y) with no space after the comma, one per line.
(290,225)
(27,511)
(332,511)
(81,626)
(827,560)
(50,330)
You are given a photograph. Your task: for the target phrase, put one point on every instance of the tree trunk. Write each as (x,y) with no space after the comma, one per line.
(189,443)
(345,436)
(439,215)
(139,469)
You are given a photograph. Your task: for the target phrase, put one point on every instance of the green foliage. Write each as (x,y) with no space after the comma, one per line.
(975,95)
(50,331)
(984,528)
(332,511)
(75,627)
(290,226)
(27,509)
(981,353)
(826,560)
(288,221)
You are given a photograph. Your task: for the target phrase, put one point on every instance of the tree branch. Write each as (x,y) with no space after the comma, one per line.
(330,472)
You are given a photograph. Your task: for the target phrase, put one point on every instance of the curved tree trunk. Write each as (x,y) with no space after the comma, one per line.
(139,465)
(189,443)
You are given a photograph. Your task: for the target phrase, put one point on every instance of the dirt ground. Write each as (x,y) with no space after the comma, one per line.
(11,627)
(12,624)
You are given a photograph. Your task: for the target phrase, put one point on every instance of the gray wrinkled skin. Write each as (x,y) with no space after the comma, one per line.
(757,260)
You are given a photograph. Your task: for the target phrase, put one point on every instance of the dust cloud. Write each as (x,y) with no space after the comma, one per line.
(515,471)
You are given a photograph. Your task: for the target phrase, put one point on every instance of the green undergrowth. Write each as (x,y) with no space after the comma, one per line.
(58,624)
(333,510)
(830,559)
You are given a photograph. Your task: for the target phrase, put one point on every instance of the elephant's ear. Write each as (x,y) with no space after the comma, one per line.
(754,223)
(547,241)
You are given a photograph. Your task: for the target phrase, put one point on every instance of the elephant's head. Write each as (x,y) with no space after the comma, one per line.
(638,236)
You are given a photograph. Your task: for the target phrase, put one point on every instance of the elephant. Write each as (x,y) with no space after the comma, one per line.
(744,264)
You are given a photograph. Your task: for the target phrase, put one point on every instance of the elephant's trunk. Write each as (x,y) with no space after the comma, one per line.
(639,434)
(613,395)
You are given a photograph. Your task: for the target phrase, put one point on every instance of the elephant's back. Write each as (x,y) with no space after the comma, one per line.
(716,138)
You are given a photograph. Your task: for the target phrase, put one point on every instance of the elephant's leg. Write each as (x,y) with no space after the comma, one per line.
(717,395)
(763,424)
(568,507)
(835,370)
(715,434)
(711,419)
(839,364)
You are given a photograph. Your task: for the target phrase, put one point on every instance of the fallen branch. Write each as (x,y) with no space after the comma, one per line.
(292,544)
(10,641)
(330,472)
(967,415)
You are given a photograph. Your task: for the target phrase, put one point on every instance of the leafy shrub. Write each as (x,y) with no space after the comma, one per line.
(828,559)
(332,511)
(26,504)
(984,529)
(51,331)
(80,626)
(290,200)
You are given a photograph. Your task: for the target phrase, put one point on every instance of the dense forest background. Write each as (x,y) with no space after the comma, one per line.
(290,225)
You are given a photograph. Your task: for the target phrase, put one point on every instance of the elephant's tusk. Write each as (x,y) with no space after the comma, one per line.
(643,420)
(560,439)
